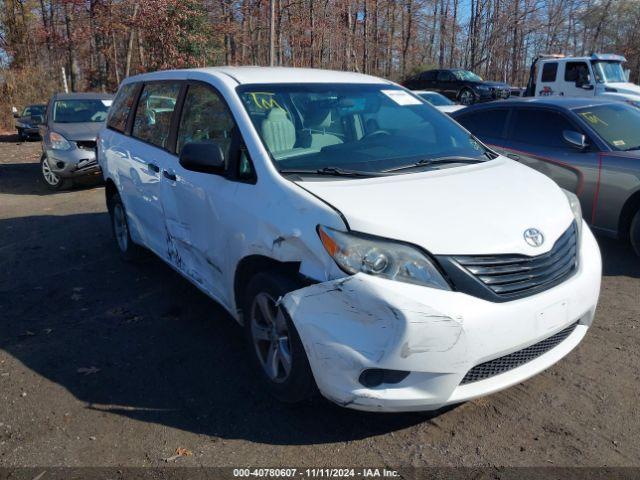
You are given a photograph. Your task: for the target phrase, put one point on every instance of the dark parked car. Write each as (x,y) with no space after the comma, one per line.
(588,146)
(28,120)
(69,131)
(460,85)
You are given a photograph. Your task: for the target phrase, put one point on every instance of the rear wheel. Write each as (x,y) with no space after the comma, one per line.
(129,251)
(21,135)
(273,341)
(466,97)
(634,233)
(52,180)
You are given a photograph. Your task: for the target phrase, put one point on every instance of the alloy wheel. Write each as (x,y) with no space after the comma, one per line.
(120,228)
(270,334)
(466,97)
(48,175)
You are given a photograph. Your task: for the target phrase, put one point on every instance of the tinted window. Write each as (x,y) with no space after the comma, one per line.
(444,76)
(121,107)
(618,124)
(575,71)
(153,115)
(429,76)
(540,127)
(486,123)
(205,117)
(549,71)
(80,111)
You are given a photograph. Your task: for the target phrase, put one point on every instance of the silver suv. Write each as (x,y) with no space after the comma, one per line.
(68,131)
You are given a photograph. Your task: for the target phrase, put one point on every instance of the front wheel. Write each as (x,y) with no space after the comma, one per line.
(273,341)
(634,233)
(52,180)
(21,135)
(467,97)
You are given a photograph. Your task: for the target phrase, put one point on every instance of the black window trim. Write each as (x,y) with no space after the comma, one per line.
(238,144)
(546,108)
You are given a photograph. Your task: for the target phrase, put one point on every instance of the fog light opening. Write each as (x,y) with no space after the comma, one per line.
(60,165)
(374,377)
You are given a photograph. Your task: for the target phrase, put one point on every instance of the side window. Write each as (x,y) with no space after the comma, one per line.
(205,117)
(444,76)
(549,71)
(152,122)
(119,112)
(429,76)
(486,123)
(540,127)
(576,72)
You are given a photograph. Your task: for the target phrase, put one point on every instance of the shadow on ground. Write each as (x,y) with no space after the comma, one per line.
(166,353)
(26,179)
(618,258)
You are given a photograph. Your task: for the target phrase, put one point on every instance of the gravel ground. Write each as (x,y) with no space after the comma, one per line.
(108,364)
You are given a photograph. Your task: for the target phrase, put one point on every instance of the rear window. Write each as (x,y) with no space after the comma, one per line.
(121,107)
(549,71)
(486,123)
(540,127)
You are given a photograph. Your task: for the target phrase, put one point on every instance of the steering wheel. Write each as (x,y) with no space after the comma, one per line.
(375,133)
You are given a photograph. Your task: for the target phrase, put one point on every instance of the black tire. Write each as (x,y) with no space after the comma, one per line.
(50,179)
(298,384)
(128,249)
(634,233)
(466,97)
(21,136)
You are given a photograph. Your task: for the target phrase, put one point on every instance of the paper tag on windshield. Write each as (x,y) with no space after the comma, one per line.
(619,143)
(401,97)
(107,103)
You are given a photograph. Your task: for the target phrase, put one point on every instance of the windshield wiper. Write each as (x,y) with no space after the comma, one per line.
(427,162)
(334,171)
(637,147)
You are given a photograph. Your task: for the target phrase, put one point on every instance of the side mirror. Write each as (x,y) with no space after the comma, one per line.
(575,139)
(205,157)
(16,115)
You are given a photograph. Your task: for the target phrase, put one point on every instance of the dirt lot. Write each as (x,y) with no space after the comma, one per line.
(104,363)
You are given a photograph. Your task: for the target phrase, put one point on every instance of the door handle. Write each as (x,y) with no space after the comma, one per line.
(513,156)
(168,175)
(154,167)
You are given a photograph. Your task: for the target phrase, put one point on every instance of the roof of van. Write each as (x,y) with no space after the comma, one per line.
(252,74)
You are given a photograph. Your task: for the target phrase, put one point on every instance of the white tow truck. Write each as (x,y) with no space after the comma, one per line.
(595,75)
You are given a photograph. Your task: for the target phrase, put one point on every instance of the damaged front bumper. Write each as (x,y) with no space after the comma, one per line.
(363,322)
(75,162)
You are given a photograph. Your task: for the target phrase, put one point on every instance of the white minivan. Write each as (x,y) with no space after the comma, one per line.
(372,248)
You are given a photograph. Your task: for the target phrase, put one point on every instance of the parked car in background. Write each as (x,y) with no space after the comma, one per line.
(28,120)
(369,245)
(69,130)
(459,85)
(589,146)
(599,75)
(439,101)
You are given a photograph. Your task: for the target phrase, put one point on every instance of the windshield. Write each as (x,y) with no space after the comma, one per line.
(436,99)
(617,124)
(33,110)
(368,128)
(80,111)
(467,76)
(609,72)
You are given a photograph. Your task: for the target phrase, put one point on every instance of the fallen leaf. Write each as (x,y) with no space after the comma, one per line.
(88,371)
(180,452)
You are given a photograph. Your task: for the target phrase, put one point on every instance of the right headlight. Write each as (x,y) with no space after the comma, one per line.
(574,203)
(381,258)
(58,142)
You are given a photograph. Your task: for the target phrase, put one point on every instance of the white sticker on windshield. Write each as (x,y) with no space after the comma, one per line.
(107,103)
(619,143)
(401,97)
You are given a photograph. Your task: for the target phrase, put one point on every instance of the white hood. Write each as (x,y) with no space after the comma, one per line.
(626,90)
(473,209)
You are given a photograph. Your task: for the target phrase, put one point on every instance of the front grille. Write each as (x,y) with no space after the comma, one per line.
(516,359)
(86,144)
(518,275)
